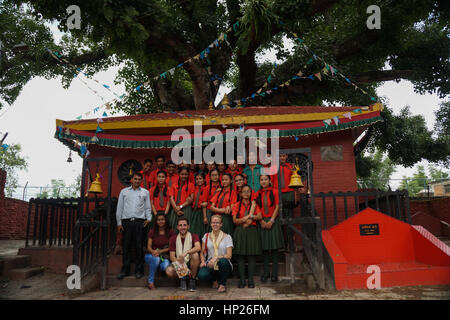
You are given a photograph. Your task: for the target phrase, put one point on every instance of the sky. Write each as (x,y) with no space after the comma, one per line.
(30,121)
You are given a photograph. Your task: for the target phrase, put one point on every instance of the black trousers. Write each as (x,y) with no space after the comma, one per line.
(133,237)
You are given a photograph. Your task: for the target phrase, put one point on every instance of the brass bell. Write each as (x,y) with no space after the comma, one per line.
(296,179)
(96,186)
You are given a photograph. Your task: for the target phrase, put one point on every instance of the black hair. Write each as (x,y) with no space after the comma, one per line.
(160,156)
(169,163)
(210,180)
(166,225)
(148,160)
(200,174)
(271,196)
(183,218)
(187,181)
(225,174)
(239,194)
(156,192)
(137,174)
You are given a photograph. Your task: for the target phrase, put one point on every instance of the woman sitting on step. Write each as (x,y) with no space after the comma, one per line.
(158,247)
(215,256)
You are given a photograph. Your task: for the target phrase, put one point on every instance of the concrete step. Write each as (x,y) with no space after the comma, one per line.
(25,273)
(131,281)
(9,262)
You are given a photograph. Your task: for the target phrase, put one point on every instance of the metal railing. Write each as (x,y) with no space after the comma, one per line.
(392,203)
(51,221)
(26,193)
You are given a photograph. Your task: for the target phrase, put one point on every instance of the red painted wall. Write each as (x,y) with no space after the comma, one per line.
(13,214)
(328,176)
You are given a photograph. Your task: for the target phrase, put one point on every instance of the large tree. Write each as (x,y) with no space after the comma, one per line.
(12,162)
(149,37)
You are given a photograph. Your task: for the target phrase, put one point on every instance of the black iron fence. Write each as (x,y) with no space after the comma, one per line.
(51,221)
(94,234)
(334,208)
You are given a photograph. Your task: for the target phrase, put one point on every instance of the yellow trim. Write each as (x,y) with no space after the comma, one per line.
(228,120)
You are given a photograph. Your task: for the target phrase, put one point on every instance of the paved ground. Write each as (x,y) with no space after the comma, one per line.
(53,287)
(49,286)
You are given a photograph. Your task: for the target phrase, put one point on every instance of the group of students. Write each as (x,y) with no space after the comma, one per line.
(205,214)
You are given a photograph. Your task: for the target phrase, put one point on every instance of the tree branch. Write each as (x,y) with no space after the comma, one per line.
(382,75)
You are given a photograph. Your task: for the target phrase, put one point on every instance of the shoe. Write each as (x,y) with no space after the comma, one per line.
(222,289)
(215,285)
(251,284)
(123,275)
(265,277)
(183,283)
(150,286)
(192,285)
(274,278)
(139,275)
(241,284)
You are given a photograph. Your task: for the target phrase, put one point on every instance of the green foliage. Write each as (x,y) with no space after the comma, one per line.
(58,189)
(374,171)
(12,162)
(420,179)
(407,140)
(146,38)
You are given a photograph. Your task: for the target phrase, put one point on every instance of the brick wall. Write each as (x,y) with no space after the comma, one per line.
(438,208)
(13,214)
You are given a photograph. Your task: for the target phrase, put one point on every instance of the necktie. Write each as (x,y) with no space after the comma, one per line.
(282,177)
(161,198)
(170,181)
(179,194)
(221,200)
(197,198)
(265,204)
(145,181)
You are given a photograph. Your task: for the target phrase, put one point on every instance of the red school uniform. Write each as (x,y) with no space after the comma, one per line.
(234,173)
(154,175)
(181,193)
(160,202)
(146,179)
(172,179)
(192,177)
(265,193)
(243,210)
(223,198)
(199,196)
(210,191)
(285,173)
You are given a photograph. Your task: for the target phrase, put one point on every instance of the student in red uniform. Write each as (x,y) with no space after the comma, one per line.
(198,215)
(210,166)
(192,172)
(212,187)
(246,238)
(233,169)
(160,195)
(239,182)
(146,173)
(172,176)
(160,165)
(222,167)
(222,204)
(266,200)
(181,198)
(280,181)
(201,167)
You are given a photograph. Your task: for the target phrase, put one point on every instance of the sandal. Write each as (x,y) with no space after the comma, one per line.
(151,286)
(215,285)
(222,289)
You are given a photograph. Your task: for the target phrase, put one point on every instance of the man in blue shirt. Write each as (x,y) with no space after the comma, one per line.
(133,214)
